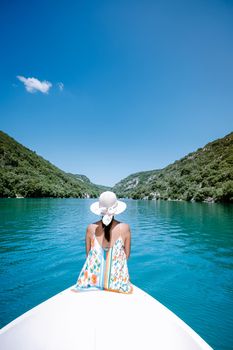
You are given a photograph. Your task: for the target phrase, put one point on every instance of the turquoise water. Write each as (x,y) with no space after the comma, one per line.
(181,253)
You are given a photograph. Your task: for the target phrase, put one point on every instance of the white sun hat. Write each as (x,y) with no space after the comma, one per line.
(108,205)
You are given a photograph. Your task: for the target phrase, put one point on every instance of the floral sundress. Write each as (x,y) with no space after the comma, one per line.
(108,273)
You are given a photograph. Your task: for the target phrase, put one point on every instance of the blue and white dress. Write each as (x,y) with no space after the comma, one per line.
(106,270)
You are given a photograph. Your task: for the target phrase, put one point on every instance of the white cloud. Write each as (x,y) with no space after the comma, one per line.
(60,86)
(33,84)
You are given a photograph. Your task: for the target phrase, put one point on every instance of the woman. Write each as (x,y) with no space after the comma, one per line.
(108,243)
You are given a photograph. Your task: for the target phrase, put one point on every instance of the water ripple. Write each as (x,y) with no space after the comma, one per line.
(181,253)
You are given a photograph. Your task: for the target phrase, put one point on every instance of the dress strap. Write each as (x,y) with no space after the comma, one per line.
(120,230)
(120,236)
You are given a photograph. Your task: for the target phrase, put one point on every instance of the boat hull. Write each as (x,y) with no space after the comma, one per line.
(99,320)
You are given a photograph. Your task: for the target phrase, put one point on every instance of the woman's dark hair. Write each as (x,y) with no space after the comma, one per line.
(107,230)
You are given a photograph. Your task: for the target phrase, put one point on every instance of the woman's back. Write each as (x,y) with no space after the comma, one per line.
(106,263)
(118,229)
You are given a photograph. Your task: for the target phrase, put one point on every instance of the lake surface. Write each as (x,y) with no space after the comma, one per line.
(181,254)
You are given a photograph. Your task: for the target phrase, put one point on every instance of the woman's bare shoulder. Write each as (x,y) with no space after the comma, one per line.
(125,226)
(92,228)
(125,229)
(93,224)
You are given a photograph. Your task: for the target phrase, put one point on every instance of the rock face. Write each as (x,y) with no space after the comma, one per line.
(19,196)
(132,184)
(209,200)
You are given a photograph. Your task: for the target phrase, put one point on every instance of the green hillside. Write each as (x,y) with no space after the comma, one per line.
(203,175)
(24,173)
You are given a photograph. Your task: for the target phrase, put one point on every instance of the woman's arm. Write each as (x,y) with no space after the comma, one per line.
(127,241)
(88,239)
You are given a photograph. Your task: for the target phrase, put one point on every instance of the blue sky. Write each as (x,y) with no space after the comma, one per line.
(134,85)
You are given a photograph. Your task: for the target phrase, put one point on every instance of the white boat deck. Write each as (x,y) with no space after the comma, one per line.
(99,320)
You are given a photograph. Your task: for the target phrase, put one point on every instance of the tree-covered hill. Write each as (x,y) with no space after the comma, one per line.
(24,173)
(203,175)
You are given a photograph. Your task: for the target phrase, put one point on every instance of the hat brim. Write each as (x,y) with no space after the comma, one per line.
(121,206)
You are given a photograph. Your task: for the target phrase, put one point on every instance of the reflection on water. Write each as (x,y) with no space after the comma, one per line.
(181,253)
